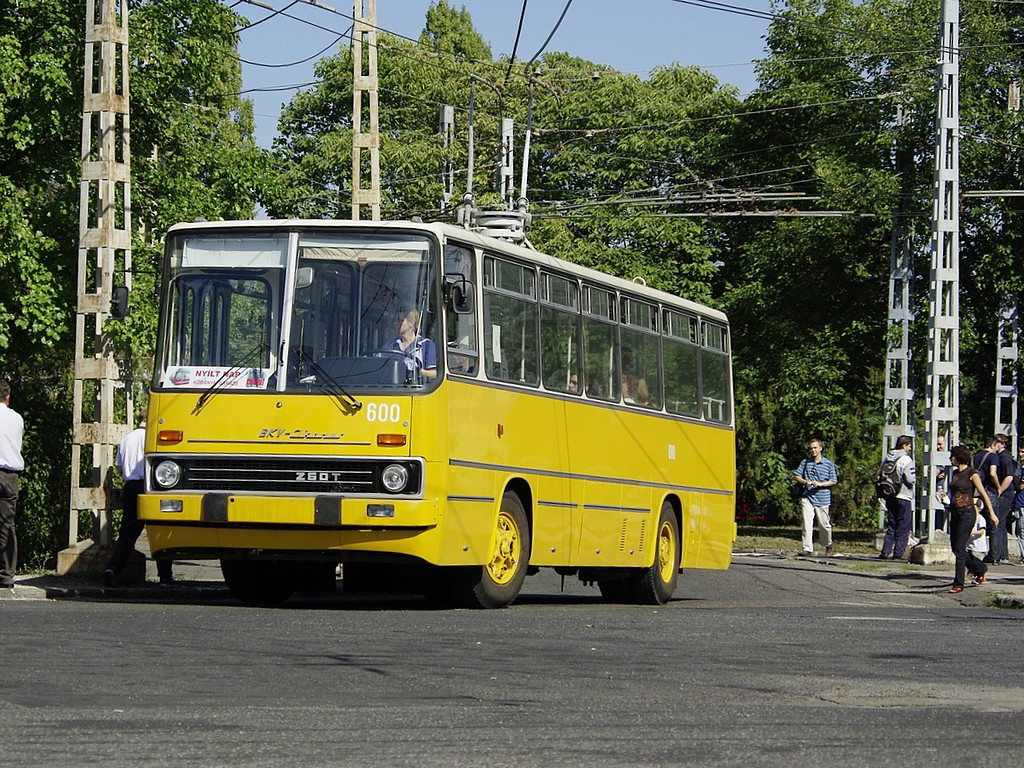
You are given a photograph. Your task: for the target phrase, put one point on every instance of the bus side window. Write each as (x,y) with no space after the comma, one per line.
(461,337)
(641,367)
(714,373)
(600,347)
(510,321)
(559,323)
(682,363)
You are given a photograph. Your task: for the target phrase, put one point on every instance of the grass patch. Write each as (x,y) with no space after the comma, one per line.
(779,538)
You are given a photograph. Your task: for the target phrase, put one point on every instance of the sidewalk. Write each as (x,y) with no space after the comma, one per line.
(193,580)
(1003,587)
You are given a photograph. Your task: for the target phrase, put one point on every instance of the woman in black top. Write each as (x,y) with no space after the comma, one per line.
(963,487)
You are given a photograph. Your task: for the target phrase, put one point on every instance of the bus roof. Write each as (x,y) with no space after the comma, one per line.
(446,231)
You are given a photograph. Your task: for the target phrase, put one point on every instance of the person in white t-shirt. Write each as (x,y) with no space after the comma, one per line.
(131,462)
(978,543)
(12,428)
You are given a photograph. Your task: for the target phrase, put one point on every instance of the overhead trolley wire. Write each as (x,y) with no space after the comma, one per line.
(515,45)
(339,38)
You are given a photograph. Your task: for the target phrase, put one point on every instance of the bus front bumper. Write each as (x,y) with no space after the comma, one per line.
(225,509)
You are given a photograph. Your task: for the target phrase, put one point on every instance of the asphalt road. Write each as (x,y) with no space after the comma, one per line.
(773,663)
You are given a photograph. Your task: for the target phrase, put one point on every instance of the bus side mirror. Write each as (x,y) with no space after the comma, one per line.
(303,278)
(119,302)
(458,293)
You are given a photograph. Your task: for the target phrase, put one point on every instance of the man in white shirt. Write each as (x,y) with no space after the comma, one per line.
(12,428)
(131,461)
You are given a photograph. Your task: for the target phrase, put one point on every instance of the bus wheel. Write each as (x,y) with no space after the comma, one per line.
(260,582)
(655,585)
(496,584)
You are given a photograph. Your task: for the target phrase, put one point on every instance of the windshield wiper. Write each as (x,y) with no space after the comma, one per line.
(256,353)
(330,383)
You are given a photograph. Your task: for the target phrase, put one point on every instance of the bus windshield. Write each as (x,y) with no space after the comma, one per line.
(299,312)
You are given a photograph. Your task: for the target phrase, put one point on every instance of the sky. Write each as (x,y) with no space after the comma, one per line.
(629,35)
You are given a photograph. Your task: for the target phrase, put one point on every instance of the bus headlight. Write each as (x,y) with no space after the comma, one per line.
(167,474)
(395,477)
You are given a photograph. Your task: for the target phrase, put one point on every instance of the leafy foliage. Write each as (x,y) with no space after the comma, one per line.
(193,155)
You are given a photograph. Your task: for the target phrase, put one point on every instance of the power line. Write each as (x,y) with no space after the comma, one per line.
(323,50)
(267,18)
(515,45)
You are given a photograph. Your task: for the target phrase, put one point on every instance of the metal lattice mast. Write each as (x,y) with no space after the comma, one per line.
(364,90)
(1006,373)
(104,247)
(942,408)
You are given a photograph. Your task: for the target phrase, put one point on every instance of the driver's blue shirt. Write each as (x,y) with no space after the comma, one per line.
(420,355)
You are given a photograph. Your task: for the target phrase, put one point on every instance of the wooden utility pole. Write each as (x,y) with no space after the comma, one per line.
(104,249)
(364,93)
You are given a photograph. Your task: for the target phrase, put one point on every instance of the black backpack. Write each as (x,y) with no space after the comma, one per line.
(889,481)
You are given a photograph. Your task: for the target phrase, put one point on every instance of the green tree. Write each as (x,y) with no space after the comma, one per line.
(193,155)
(314,150)
(807,296)
(617,158)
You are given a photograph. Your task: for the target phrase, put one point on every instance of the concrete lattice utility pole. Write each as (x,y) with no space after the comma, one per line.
(1007,345)
(365,93)
(899,397)
(104,249)
(942,408)
(1006,374)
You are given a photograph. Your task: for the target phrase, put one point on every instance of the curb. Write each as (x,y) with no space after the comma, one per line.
(23,590)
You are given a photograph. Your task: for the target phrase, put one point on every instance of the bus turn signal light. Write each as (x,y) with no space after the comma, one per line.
(385,440)
(169,436)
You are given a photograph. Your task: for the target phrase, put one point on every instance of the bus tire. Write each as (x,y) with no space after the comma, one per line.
(496,584)
(656,584)
(259,582)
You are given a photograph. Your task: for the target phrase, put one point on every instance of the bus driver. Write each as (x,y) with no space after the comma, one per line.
(420,353)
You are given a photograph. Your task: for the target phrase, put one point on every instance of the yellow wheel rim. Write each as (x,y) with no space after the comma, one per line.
(507,550)
(666,552)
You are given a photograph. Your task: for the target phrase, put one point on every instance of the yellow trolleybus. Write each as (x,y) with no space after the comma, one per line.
(417,397)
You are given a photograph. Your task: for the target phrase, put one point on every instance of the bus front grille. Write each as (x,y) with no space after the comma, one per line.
(291,475)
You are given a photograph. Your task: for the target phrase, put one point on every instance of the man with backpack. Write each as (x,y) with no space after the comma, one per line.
(897,477)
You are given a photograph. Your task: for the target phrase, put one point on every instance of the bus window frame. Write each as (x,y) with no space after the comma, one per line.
(489,286)
(573,307)
(652,329)
(608,319)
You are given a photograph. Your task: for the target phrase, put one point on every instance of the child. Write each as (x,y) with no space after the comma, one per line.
(977,545)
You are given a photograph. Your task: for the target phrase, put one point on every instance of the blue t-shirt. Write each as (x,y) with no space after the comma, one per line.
(981,461)
(1018,475)
(819,472)
(420,355)
(1005,468)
